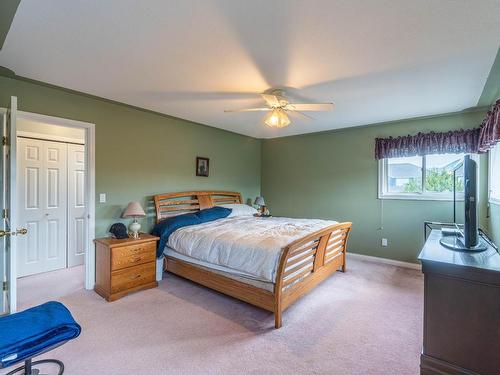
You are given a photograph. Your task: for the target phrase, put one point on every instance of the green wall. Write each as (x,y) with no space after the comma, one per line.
(333,175)
(141,153)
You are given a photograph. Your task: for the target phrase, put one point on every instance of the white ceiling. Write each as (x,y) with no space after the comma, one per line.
(377,60)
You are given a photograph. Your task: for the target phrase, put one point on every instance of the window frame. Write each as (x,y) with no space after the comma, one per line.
(383,192)
(493,198)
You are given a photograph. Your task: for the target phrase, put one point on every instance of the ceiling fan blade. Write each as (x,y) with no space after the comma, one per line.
(300,114)
(310,106)
(248,110)
(271,100)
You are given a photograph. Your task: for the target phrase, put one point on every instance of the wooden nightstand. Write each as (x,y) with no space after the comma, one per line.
(125,266)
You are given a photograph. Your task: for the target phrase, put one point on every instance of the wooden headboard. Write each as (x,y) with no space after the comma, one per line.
(171,204)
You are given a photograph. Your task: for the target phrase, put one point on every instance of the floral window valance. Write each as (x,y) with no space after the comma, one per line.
(476,140)
(490,129)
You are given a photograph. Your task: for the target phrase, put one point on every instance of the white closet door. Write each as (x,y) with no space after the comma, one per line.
(77,219)
(42,178)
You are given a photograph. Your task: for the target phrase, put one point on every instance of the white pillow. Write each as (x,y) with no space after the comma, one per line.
(238,209)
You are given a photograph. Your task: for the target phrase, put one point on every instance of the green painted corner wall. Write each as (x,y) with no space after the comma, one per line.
(141,153)
(333,175)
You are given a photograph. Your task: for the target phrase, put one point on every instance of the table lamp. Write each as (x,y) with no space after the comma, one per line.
(259,201)
(135,210)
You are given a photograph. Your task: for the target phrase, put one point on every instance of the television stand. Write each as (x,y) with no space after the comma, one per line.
(461,310)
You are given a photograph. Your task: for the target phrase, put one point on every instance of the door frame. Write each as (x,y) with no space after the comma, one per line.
(3,262)
(89,181)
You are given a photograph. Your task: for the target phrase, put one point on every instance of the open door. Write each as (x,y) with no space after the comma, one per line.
(3,252)
(9,230)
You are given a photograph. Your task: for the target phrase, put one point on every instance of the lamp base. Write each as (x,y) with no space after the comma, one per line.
(134,229)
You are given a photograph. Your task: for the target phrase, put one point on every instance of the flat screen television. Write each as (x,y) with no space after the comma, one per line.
(467,239)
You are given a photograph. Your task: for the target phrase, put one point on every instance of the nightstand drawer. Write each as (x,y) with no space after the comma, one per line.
(132,255)
(133,276)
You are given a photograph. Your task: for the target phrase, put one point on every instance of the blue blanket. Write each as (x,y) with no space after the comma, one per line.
(26,333)
(168,226)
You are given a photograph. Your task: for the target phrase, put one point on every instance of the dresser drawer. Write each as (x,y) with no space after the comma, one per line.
(132,255)
(131,277)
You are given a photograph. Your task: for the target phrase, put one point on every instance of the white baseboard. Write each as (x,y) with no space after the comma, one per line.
(368,258)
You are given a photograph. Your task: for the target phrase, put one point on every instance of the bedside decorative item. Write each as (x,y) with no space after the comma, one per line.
(202,165)
(119,231)
(259,201)
(135,210)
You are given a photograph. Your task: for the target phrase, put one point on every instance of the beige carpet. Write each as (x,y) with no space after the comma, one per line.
(36,289)
(366,321)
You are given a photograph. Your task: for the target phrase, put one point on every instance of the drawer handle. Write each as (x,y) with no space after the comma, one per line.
(135,260)
(137,249)
(135,277)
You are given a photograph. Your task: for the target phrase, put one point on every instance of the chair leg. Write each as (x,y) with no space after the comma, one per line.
(29,370)
(27,367)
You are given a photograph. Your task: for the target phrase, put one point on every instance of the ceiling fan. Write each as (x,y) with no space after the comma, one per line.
(279,107)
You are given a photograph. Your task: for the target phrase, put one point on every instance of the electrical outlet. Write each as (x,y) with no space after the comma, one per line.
(384,242)
(102,198)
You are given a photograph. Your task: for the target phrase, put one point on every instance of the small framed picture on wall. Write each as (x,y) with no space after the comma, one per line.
(202,166)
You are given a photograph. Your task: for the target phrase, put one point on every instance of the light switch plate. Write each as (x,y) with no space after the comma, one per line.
(102,198)
(384,242)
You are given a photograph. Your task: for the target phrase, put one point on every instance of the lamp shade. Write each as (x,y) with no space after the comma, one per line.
(134,209)
(259,201)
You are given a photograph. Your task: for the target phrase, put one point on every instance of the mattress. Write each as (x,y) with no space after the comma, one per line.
(244,246)
(220,270)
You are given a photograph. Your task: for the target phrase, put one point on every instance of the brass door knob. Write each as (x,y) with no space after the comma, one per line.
(20,232)
(4,233)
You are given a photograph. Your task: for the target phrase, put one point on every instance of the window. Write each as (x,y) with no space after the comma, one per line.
(495,174)
(421,177)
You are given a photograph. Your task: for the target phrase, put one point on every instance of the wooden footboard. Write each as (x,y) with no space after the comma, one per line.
(308,261)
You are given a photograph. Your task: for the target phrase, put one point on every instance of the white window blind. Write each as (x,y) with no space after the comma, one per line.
(495,174)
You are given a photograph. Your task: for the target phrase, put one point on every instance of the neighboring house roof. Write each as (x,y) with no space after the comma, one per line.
(404,170)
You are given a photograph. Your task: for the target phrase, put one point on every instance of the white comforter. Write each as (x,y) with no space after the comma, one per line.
(245,243)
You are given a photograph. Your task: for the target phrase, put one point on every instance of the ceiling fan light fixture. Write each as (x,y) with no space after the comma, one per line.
(277,118)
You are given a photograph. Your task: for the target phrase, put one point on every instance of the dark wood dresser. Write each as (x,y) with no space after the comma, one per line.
(461,310)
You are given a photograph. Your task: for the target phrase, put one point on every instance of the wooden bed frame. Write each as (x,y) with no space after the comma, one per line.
(304,263)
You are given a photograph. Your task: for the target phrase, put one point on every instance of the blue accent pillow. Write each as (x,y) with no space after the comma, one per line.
(168,226)
(214,213)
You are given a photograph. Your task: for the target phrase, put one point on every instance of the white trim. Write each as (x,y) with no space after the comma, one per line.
(4,303)
(48,137)
(423,197)
(397,263)
(13,224)
(51,120)
(90,178)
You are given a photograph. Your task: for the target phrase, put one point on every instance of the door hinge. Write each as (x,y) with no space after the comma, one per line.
(4,213)
(4,140)
(5,285)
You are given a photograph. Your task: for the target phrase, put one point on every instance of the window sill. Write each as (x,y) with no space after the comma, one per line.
(495,201)
(412,197)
